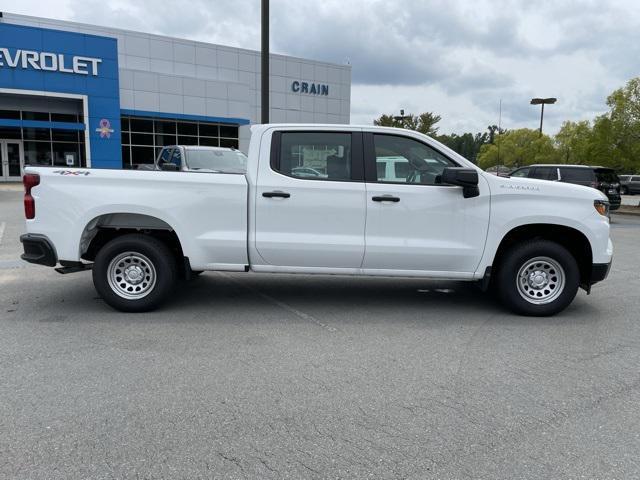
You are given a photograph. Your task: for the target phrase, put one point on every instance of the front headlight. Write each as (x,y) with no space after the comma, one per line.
(602,207)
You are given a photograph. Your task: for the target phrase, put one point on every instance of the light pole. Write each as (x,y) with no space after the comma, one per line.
(401,117)
(543,102)
(264,84)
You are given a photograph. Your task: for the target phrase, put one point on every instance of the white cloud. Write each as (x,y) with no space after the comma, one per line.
(456,58)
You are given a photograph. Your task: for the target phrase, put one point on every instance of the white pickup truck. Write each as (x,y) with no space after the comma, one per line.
(435,216)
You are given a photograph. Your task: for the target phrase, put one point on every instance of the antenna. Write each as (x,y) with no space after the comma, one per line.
(499,128)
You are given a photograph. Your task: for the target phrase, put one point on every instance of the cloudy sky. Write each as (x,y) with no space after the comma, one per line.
(455,58)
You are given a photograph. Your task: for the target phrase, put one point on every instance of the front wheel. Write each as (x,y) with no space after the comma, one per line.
(537,278)
(134,273)
(624,191)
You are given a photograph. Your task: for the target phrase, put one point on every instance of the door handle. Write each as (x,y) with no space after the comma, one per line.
(276,194)
(385,198)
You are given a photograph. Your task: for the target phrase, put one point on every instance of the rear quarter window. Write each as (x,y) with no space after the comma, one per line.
(577,174)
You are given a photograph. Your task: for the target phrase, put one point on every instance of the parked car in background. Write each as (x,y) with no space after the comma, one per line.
(307,172)
(601,178)
(400,169)
(192,158)
(629,184)
(499,170)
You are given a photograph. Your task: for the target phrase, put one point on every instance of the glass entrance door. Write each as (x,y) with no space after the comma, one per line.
(12,160)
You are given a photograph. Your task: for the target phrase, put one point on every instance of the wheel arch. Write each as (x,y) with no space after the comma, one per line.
(570,238)
(107,226)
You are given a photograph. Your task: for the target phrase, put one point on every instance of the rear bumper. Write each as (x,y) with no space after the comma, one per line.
(38,249)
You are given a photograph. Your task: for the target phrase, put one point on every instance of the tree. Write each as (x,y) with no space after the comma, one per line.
(468,145)
(423,123)
(516,148)
(617,133)
(574,142)
(494,131)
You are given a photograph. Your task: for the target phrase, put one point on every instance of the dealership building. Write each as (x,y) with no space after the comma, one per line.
(76,95)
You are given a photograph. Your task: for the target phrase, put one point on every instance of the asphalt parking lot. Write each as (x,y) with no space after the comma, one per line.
(249,376)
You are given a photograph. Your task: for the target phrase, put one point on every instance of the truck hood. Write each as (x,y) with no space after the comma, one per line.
(535,188)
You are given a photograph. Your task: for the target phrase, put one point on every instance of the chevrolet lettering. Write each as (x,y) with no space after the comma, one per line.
(48,61)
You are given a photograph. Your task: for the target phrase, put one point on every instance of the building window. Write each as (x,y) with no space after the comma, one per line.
(143,138)
(47,146)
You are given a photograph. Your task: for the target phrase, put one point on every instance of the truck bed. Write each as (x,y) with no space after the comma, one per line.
(208,211)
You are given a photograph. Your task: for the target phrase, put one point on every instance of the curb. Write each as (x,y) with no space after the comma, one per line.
(626,212)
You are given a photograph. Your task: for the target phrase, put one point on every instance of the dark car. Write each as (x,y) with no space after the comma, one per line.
(629,184)
(602,178)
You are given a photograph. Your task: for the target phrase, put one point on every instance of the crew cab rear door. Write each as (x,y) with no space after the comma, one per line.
(310,200)
(415,224)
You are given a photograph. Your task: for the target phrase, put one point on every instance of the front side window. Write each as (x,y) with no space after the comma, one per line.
(635,179)
(315,155)
(405,160)
(523,172)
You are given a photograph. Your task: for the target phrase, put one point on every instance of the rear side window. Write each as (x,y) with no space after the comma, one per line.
(576,174)
(544,173)
(315,155)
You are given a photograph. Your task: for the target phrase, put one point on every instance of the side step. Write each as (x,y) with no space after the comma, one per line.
(73,267)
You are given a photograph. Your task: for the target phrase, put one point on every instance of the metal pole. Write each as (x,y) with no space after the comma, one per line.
(541,116)
(264,85)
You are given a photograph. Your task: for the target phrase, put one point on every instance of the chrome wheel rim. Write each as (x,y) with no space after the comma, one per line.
(131,275)
(540,280)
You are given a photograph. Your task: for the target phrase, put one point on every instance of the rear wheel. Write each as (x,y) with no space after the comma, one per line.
(134,273)
(538,278)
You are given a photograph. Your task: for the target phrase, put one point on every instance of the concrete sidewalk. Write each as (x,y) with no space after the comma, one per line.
(11,187)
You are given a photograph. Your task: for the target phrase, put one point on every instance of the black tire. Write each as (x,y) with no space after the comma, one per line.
(146,255)
(624,191)
(542,256)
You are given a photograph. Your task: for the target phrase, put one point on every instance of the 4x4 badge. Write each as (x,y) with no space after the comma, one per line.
(72,172)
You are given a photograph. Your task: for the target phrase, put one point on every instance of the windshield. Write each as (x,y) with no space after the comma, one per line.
(218,160)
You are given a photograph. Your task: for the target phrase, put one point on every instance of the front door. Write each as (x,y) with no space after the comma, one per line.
(11,160)
(310,201)
(415,224)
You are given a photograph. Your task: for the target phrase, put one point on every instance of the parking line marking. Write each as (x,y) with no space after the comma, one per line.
(285,306)
(2,226)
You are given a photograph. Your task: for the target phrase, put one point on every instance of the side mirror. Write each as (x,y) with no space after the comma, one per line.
(169,167)
(467,178)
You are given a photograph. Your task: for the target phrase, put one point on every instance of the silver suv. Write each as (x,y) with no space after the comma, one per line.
(629,184)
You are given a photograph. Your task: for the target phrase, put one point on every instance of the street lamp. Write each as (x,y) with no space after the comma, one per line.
(543,102)
(401,117)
